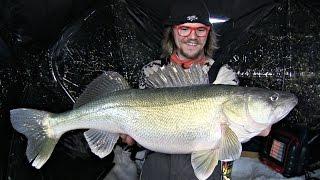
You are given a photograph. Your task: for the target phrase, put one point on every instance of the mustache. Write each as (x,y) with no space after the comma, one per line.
(193,41)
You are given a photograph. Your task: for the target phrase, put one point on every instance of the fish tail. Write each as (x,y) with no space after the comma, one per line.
(35,125)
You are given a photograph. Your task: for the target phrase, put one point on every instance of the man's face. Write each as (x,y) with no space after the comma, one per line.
(190,46)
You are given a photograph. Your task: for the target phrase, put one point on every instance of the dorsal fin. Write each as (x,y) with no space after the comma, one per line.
(105,83)
(173,75)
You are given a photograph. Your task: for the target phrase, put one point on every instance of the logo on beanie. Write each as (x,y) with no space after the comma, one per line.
(192,18)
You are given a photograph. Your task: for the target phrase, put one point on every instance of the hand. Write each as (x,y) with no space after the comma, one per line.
(265,132)
(127,139)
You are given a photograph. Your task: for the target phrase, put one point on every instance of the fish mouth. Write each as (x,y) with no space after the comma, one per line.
(285,107)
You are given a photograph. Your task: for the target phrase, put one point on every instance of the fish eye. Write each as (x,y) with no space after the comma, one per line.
(274,97)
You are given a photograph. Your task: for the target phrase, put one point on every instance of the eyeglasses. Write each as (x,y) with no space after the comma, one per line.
(186,30)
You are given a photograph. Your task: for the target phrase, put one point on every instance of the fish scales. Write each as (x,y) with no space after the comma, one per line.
(192,118)
(207,121)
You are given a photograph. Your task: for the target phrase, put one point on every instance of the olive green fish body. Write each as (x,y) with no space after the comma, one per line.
(184,119)
(207,121)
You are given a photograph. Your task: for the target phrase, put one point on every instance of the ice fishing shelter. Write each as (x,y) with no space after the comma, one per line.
(51,49)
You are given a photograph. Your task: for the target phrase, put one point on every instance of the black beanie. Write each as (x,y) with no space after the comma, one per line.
(188,11)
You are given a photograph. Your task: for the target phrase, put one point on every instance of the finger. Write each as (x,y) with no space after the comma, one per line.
(130,141)
(265,132)
(123,136)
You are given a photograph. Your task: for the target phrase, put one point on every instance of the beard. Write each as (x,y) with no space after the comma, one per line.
(191,56)
(194,54)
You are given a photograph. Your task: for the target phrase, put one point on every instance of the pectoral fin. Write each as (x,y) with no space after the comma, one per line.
(204,162)
(230,148)
(100,142)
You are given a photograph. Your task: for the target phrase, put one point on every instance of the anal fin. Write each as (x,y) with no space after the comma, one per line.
(100,142)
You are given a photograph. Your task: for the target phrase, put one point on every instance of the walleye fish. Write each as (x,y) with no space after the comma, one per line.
(207,121)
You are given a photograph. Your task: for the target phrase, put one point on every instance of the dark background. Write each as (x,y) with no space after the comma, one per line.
(49,51)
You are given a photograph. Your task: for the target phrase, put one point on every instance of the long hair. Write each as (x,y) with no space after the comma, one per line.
(168,44)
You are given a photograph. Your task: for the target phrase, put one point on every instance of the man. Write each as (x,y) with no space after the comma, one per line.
(188,40)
